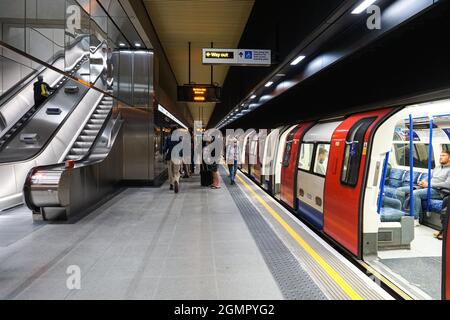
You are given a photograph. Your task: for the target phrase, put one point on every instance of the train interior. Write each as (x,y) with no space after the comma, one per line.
(407,249)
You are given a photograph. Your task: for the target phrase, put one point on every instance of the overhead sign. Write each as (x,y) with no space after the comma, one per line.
(239,57)
(199,93)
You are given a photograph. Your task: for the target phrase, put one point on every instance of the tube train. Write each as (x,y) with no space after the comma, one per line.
(346,178)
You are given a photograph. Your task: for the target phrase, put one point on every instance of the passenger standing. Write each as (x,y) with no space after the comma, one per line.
(205,170)
(192,166)
(232,159)
(215,170)
(173,167)
(42,90)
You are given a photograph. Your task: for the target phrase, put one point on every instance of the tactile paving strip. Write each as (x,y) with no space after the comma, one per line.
(293,281)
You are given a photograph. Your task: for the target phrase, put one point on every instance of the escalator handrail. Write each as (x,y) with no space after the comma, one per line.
(66,74)
(50,138)
(10,93)
(50,98)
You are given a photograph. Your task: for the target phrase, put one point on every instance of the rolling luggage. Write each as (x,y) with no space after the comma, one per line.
(205,176)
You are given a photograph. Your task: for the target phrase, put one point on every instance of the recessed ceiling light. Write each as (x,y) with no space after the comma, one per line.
(122,44)
(253,96)
(363,6)
(137,45)
(297,60)
(268,84)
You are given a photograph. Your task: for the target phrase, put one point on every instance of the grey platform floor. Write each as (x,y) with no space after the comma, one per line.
(143,244)
(149,243)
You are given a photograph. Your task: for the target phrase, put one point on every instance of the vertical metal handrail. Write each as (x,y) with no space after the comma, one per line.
(383,179)
(430,157)
(411,166)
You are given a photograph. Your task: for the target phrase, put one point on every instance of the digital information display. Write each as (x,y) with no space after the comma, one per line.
(199,93)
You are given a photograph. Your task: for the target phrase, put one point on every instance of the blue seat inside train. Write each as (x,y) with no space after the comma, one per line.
(392,209)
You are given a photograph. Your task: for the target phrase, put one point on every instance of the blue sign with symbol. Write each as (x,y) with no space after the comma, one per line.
(248,55)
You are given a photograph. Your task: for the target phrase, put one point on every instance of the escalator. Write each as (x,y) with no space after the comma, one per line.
(72,116)
(18,101)
(9,144)
(58,192)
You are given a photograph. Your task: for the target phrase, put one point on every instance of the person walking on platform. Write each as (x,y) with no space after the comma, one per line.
(173,167)
(232,159)
(42,90)
(205,171)
(215,171)
(192,164)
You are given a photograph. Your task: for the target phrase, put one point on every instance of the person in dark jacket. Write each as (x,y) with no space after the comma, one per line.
(174,168)
(42,90)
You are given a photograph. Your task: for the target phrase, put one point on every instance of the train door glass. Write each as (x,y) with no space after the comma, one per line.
(306,154)
(288,148)
(321,159)
(409,249)
(354,150)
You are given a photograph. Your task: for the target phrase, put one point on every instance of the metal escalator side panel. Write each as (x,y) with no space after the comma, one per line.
(76,190)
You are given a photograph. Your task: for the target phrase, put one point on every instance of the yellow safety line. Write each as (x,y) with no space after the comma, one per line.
(325,266)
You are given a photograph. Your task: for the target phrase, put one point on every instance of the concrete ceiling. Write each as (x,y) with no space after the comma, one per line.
(201,22)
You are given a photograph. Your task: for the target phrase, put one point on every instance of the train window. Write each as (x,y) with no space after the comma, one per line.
(445,147)
(353,151)
(287,154)
(306,153)
(288,148)
(420,155)
(321,163)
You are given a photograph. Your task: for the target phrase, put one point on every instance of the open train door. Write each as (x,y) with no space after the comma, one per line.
(347,165)
(446,260)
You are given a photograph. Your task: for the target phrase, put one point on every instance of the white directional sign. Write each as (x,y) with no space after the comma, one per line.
(241,57)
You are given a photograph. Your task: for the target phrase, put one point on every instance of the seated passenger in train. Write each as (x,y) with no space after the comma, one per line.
(440,182)
(321,161)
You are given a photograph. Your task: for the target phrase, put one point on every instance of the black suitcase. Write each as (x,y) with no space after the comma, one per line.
(205,177)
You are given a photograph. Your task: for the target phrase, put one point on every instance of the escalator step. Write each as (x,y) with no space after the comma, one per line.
(88,132)
(86,138)
(99,116)
(80,144)
(102,111)
(93,126)
(95,121)
(79,151)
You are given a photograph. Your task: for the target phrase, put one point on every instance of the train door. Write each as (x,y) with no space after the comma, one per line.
(289,165)
(244,147)
(254,162)
(268,158)
(279,160)
(406,199)
(312,169)
(347,160)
